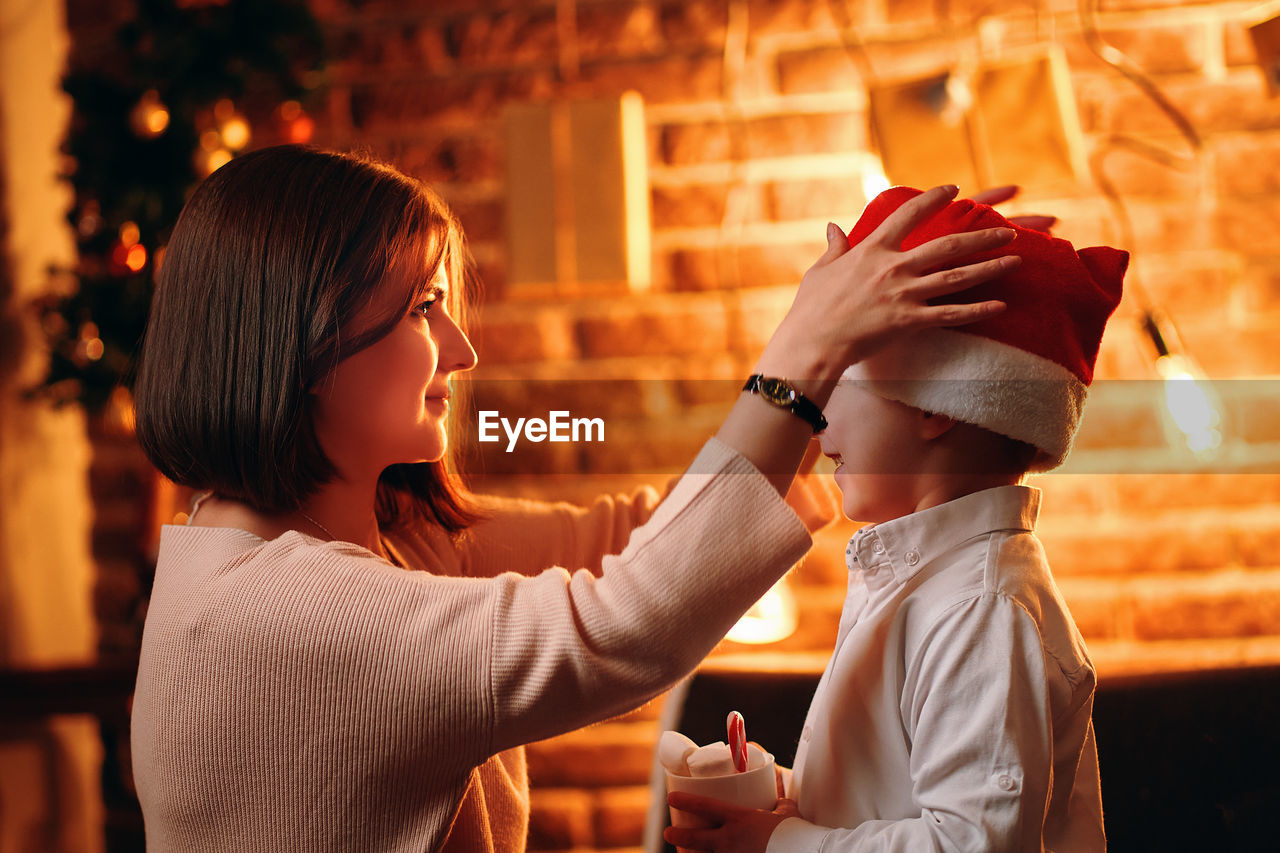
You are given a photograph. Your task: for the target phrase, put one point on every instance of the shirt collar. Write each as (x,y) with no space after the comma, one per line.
(894,551)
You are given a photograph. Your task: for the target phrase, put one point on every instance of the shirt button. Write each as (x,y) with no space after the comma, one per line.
(877,546)
(912,557)
(1006,783)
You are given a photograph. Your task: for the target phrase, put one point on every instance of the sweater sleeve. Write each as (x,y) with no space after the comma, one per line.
(527,536)
(570,649)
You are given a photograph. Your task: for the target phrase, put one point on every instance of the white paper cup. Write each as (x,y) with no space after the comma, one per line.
(754,789)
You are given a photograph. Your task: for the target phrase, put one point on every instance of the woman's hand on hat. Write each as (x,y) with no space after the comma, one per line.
(854,300)
(1034,221)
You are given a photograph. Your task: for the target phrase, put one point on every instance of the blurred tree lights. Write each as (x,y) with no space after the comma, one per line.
(155,110)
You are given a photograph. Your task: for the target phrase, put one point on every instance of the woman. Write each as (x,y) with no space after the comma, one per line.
(339,653)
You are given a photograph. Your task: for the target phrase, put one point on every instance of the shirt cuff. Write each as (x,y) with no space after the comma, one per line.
(795,835)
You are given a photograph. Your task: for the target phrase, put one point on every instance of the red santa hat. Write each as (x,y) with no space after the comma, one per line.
(1023,373)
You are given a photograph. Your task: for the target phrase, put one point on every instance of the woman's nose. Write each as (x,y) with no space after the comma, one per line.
(456,352)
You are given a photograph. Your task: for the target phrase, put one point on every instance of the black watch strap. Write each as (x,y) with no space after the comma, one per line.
(781,393)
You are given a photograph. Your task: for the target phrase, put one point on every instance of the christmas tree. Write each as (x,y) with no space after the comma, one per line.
(177,92)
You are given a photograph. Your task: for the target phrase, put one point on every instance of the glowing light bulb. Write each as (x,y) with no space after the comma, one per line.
(874,182)
(1192,414)
(301,129)
(211,161)
(235,133)
(149,117)
(90,346)
(218,159)
(1190,405)
(129,234)
(770,619)
(157,121)
(136,258)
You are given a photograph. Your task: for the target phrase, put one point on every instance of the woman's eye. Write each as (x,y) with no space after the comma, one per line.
(424,307)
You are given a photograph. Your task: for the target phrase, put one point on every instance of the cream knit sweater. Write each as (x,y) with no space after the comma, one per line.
(298,695)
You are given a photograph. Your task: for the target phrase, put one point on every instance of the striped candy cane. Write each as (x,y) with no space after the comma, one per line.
(737,741)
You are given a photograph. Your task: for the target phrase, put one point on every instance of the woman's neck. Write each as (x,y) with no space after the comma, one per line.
(338,511)
(343,512)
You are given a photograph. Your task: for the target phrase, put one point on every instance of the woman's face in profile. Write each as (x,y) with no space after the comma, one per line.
(389,403)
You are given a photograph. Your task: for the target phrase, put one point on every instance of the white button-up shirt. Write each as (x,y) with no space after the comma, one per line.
(955,711)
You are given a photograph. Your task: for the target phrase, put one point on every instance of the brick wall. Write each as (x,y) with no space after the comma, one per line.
(1167,562)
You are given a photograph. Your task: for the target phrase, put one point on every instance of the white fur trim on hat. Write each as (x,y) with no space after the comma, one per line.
(984,382)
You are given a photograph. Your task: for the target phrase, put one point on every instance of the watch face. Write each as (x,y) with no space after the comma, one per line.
(776,391)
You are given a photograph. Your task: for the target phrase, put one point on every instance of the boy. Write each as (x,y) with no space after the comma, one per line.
(954,713)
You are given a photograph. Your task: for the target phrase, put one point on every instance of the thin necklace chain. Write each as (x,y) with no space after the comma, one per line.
(327,531)
(389,557)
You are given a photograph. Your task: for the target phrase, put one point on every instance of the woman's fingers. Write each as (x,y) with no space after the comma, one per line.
(945,251)
(996,195)
(956,279)
(837,245)
(957,315)
(1032,221)
(900,223)
(1035,222)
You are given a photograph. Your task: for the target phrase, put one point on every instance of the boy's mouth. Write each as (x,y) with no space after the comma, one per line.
(835,457)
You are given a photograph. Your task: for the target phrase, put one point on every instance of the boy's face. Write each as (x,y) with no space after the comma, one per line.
(878,445)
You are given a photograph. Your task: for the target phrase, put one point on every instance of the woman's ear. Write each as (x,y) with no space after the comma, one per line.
(933,425)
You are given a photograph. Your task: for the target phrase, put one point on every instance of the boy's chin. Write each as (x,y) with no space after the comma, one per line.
(865,509)
(868,498)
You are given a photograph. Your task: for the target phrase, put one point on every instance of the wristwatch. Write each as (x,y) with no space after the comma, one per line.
(781,393)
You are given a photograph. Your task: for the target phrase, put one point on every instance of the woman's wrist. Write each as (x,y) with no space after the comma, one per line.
(810,369)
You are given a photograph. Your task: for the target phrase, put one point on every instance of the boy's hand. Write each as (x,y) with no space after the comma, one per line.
(812,496)
(732,829)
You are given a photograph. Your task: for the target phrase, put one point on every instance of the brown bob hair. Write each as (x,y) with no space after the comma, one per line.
(270,260)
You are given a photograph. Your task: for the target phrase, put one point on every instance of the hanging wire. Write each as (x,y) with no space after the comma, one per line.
(852,42)
(1193,407)
(1181,161)
(856,49)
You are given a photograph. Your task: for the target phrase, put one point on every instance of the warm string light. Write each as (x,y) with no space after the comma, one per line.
(874,182)
(298,126)
(1192,415)
(770,619)
(89,346)
(128,255)
(225,133)
(149,117)
(92,323)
